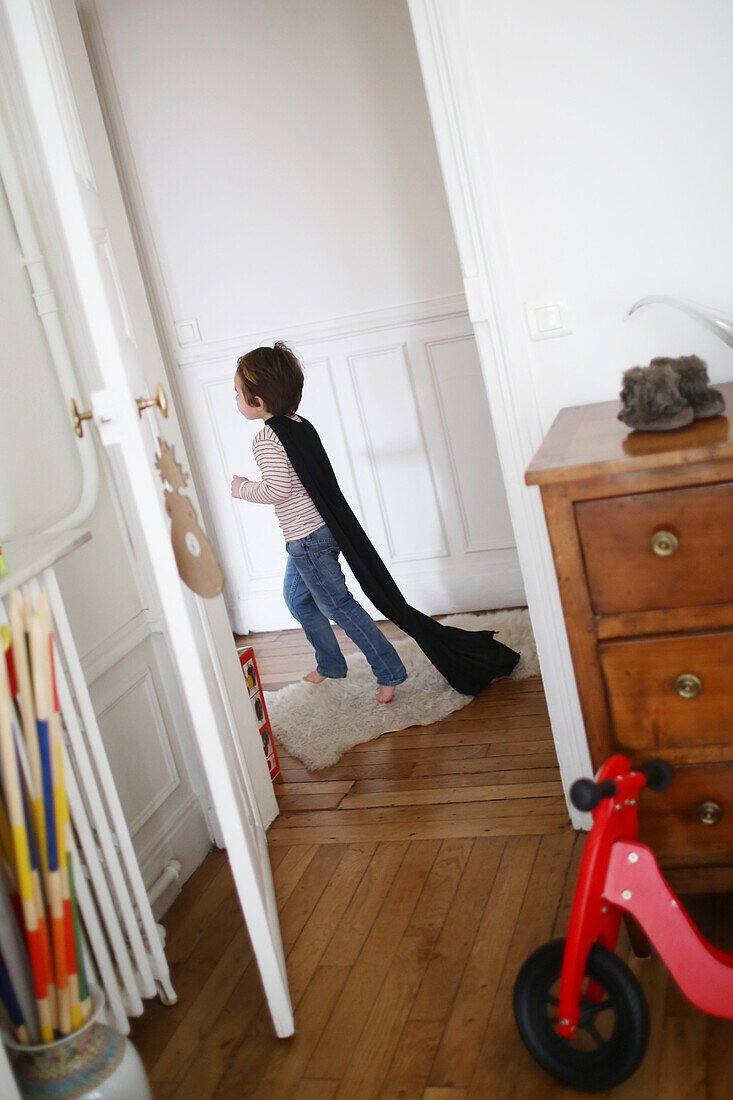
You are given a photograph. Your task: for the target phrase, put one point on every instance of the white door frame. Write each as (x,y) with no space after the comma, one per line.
(466,162)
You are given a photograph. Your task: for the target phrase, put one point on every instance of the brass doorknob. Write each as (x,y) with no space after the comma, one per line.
(710,812)
(688,686)
(160,400)
(664,543)
(77,418)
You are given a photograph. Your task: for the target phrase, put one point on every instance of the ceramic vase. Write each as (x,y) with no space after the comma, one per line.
(95,1062)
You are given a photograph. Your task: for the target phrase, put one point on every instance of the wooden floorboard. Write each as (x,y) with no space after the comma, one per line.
(413,878)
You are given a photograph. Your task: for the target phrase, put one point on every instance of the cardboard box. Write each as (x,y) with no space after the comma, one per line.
(257,698)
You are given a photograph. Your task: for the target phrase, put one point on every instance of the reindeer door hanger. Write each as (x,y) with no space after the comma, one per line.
(196,561)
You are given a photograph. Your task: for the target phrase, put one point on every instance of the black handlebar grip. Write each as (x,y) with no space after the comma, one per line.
(658,775)
(585,794)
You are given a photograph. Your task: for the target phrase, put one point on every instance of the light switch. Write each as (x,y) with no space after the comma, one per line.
(188,332)
(547,319)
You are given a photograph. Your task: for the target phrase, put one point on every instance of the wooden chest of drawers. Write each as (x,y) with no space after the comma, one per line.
(641,526)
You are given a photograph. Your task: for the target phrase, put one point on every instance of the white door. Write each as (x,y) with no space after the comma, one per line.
(197,630)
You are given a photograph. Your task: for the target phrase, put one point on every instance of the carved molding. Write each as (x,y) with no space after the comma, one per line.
(395,317)
(357,380)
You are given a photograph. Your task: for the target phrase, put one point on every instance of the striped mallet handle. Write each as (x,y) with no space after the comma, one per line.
(85,1000)
(43,938)
(11,780)
(41,675)
(28,749)
(61,810)
(21,688)
(8,868)
(12,1006)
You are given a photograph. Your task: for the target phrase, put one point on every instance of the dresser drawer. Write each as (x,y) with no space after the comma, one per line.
(626,573)
(674,690)
(678,824)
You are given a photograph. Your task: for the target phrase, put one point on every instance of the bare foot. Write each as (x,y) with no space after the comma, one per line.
(314,677)
(384,695)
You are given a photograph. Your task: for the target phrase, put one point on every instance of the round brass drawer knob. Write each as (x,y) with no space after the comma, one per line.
(688,686)
(664,543)
(709,812)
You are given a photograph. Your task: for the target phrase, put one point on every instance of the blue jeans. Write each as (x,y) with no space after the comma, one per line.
(315,591)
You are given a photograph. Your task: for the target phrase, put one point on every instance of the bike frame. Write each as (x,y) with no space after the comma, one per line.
(618,875)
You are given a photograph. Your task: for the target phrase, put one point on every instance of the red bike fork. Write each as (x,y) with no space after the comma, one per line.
(618,875)
(594,918)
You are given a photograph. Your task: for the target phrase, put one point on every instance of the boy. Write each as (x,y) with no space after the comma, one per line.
(269,383)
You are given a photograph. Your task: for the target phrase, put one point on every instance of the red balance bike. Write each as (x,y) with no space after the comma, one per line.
(581,1012)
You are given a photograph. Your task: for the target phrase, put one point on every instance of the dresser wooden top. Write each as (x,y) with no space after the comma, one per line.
(589,441)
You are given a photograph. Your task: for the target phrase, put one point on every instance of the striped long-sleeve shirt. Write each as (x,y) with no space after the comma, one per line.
(281,486)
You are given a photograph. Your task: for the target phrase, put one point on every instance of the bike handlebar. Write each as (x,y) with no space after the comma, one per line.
(658,775)
(586,794)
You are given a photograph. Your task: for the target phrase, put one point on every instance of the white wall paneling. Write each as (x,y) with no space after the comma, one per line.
(396,454)
(484,519)
(130,695)
(402,410)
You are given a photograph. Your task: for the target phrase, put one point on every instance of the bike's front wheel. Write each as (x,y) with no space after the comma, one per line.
(613,1032)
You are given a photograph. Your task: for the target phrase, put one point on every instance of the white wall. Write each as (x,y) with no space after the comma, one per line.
(611,155)
(285,181)
(584,162)
(286,157)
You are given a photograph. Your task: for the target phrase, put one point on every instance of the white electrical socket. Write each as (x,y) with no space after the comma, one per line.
(188,332)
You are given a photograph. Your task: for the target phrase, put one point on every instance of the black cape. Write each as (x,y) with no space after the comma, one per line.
(469,659)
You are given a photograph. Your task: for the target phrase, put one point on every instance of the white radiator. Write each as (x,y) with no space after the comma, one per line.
(123,947)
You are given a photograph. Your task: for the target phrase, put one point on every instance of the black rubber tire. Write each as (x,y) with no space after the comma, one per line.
(619,1056)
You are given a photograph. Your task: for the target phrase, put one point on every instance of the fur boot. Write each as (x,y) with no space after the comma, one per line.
(692,378)
(652,399)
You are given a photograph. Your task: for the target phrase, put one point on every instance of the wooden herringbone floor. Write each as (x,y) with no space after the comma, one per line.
(413,878)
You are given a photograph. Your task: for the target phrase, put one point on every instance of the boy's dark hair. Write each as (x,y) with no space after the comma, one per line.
(274,375)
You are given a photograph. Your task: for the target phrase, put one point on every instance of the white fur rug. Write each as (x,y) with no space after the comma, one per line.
(318,723)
